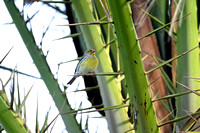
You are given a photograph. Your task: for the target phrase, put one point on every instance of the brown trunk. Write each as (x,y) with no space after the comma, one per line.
(173,48)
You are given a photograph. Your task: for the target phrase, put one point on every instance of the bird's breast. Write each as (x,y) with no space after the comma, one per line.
(89,65)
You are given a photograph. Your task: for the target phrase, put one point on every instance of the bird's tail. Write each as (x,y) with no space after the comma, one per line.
(71,81)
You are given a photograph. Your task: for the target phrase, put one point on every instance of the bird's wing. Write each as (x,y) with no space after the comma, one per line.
(79,64)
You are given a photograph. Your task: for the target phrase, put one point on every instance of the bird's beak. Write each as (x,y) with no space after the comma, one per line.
(94,53)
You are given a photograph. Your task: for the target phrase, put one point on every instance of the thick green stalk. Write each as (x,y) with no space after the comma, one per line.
(42,66)
(8,119)
(188,65)
(132,62)
(113,47)
(117,118)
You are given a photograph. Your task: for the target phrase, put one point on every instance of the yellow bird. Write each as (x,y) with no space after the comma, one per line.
(87,64)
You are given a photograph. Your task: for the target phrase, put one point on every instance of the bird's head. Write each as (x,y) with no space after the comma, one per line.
(91,52)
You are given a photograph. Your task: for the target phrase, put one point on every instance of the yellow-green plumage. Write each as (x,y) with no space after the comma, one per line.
(87,64)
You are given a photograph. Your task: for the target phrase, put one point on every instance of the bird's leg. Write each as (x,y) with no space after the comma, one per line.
(91,73)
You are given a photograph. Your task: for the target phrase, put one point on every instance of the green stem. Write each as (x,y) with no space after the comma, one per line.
(188,65)
(132,62)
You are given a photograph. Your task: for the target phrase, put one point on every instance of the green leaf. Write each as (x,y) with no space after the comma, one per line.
(72,35)
(8,119)
(170,60)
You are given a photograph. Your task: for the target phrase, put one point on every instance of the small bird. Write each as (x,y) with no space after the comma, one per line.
(87,64)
